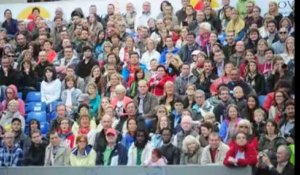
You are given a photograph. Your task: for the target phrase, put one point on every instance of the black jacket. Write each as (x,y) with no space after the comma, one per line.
(36,154)
(257,82)
(171,153)
(100,141)
(119,150)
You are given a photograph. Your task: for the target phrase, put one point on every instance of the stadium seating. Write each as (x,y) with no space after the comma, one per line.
(35,107)
(261,100)
(40,116)
(33,96)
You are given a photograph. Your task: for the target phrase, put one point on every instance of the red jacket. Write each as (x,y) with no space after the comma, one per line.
(268,101)
(250,155)
(158,90)
(253,142)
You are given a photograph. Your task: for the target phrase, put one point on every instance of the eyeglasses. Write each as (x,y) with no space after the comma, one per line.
(282,32)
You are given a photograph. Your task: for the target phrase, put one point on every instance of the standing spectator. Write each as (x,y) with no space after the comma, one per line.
(140,151)
(191,151)
(83,154)
(130,16)
(240,153)
(57,153)
(142,19)
(35,156)
(10,24)
(168,150)
(214,153)
(115,153)
(11,155)
(50,87)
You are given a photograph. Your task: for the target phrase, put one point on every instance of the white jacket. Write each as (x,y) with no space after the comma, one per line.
(146,154)
(50,91)
(220,155)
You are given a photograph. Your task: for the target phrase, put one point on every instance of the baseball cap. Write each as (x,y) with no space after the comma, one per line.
(83,97)
(111,131)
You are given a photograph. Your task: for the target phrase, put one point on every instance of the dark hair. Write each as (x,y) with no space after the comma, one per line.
(161,66)
(269,49)
(133,53)
(16,119)
(34,131)
(207,125)
(282,84)
(272,21)
(273,122)
(34,9)
(157,152)
(38,126)
(7,10)
(147,137)
(128,120)
(82,106)
(136,72)
(192,33)
(166,129)
(161,4)
(51,69)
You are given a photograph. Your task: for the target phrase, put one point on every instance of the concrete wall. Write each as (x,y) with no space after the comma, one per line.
(124,170)
(12,1)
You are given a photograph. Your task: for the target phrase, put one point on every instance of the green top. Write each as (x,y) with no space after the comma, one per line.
(106,155)
(292,159)
(139,156)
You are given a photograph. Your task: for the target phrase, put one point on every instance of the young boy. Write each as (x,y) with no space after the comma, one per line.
(176,115)
(259,122)
(239,97)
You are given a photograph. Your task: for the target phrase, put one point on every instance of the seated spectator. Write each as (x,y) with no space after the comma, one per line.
(129,136)
(191,151)
(51,54)
(287,123)
(35,156)
(259,123)
(140,151)
(214,153)
(20,137)
(120,101)
(190,94)
(150,53)
(95,77)
(85,126)
(157,159)
(255,79)
(115,153)
(158,82)
(60,113)
(239,97)
(236,24)
(28,78)
(240,153)
(237,81)
(224,79)
(70,71)
(173,65)
(271,140)
(71,94)
(229,125)
(187,129)
(283,166)
(84,67)
(133,89)
(65,133)
(83,154)
(185,78)
(156,138)
(112,81)
(201,105)
(220,108)
(11,93)
(205,129)
(11,154)
(168,150)
(92,91)
(50,87)
(277,109)
(34,124)
(211,118)
(11,113)
(57,152)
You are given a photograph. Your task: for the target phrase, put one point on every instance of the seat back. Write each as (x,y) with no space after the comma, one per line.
(33,96)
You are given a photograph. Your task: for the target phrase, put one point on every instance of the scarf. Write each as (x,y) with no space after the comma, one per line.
(236,25)
(204,39)
(84,131)
(132,69)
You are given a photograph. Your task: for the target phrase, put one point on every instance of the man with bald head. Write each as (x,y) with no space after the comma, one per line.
(10,154)
(100,140)
(283,167)
(187,129)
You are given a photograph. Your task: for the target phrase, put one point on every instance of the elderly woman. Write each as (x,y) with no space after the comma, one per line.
(191,151)
(240,153)
(83,154)
(9,114)
(204,35)
(120,101)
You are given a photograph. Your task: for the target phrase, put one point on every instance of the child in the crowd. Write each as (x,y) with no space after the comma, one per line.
(260,123)
(239,97)
(157,159)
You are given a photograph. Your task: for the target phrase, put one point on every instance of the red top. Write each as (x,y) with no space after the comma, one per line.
(158,89)
(213,153)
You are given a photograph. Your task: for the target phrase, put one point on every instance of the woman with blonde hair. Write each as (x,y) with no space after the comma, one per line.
(263,31)
(274,11)
(173,64)
(114,80)
(289,50)
(236,24)
(150,53)
(191,151)
(262,45)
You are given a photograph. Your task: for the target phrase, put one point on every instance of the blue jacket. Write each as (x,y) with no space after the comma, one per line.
(12,27)
(163,59)
(119,154)
(224,130)
(127,140)
(125,71)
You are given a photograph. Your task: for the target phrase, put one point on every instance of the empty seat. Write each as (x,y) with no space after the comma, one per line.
(44,126)
(33,96)
(20,95)
(40,116)
(35,107)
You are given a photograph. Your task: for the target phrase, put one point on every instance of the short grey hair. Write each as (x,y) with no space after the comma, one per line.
(206,26)
(287,151)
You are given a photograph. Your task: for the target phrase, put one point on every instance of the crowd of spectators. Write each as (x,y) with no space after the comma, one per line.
(208,86)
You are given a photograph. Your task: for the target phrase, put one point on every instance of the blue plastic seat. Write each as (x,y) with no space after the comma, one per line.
(35,107)
(40,116)
(52,106)
(33,96)
(51,116)
(261,100)
(44,126)
(20,95)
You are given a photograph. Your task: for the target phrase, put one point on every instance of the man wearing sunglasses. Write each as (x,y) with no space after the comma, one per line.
(280,44)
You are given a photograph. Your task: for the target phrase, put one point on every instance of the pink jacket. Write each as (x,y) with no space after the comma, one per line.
(115,100)
(15,96)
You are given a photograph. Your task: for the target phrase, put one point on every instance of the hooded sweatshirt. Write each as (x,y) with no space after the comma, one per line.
(21,108)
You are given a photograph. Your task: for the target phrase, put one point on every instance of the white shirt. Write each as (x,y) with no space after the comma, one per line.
(148,56)
(69,97)
(50,91)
